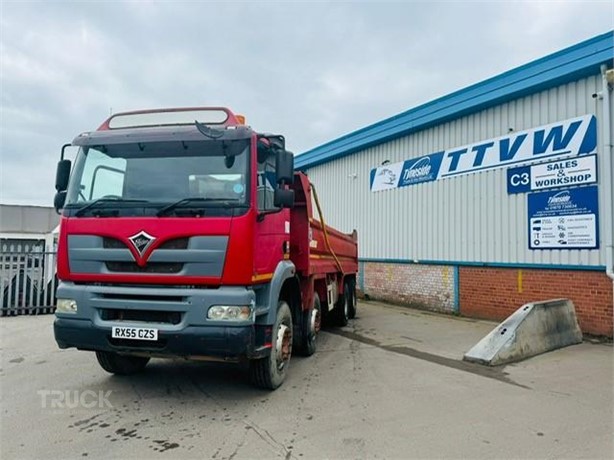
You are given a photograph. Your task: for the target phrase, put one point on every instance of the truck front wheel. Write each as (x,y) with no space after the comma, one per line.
(270,372)
(120,364)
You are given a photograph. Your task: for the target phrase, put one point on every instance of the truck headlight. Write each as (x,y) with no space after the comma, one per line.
(66,306)
(230,313)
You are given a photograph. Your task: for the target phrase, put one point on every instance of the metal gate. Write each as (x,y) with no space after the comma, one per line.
(27,280)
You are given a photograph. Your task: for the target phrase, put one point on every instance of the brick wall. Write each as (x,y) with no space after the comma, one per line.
(495,293)
(422,286)
(492,293)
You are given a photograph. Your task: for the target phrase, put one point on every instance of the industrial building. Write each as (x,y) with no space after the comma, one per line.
(28,241)
(35,227)
(488,198)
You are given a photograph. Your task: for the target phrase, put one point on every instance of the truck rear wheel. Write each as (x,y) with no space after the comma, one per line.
(352,299)
(342,308)
(270,372)
(121,364)
(312,322)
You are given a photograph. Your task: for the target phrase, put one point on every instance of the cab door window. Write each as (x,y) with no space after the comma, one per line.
(266,182)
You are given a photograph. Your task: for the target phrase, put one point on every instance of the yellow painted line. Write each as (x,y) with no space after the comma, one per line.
(519,281)
(262,277)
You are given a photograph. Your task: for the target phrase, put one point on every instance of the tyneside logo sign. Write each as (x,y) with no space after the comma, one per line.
(575,136)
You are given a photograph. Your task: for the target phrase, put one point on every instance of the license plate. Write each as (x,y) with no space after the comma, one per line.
(134,333)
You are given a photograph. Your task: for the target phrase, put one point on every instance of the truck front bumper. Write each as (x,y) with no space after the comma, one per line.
(206,342)
(178,314)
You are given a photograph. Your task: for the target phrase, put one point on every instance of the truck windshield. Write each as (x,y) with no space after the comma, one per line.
(160,173)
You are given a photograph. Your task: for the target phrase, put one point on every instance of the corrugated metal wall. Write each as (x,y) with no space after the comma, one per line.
(465,219)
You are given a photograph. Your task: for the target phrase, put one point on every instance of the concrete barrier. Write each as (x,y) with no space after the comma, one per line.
(534,328)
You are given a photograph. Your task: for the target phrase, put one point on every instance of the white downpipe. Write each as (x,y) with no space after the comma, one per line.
(608,165)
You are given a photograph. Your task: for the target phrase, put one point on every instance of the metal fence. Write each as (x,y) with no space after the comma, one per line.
(27,280)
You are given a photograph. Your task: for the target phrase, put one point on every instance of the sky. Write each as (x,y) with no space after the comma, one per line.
(312,71)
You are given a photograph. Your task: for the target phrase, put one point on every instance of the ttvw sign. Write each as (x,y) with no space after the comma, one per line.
(575,136)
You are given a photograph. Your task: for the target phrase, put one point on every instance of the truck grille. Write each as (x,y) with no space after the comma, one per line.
(151,267)
(194,256)
(144,316)
(177,243)
(112,243)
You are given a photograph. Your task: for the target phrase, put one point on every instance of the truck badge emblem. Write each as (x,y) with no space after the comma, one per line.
(141,241)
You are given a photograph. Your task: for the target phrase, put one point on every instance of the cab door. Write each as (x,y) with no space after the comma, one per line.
(272,233)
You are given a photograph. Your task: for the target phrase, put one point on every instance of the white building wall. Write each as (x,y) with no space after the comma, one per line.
(27,219)
(464,219)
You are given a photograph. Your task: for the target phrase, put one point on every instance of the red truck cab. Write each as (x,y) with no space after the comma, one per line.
(180,237)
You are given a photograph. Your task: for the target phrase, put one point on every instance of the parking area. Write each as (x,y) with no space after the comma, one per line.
(389,385)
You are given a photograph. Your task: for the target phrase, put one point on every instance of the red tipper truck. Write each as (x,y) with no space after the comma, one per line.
(185,233)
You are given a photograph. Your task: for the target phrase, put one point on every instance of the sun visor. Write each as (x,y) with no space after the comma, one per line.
(159,134)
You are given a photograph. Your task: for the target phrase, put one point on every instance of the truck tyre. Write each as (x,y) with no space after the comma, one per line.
(312,322)
(352,302)
(342,309)
(121,364)
(270,372)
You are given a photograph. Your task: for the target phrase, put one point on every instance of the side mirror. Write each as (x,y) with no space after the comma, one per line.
(62,175)
(229,161)
(284,166)
(59,200)
(283,198)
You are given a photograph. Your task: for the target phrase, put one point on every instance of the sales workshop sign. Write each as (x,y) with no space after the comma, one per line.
(563,173)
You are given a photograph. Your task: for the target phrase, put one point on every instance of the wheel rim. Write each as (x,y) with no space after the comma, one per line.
(283,345)
(315,321)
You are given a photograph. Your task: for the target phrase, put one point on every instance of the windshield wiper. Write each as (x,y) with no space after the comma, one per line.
(193,200)
(82,210)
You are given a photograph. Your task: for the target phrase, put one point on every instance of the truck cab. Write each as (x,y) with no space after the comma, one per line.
(175,241)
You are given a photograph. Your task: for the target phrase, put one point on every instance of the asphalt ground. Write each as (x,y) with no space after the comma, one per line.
(389,385)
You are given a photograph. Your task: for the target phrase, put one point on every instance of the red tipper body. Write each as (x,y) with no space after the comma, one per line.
(314,251)
(173,223)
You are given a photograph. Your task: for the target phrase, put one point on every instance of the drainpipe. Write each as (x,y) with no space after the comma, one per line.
(608,165)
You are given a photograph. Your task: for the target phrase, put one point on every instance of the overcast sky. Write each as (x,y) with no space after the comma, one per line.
(312,71)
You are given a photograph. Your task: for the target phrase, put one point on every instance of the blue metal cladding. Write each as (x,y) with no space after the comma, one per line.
(573,63)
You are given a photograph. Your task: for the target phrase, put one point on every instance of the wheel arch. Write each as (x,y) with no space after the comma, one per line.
(284,285)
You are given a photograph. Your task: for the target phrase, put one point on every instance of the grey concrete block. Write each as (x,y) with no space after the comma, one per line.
(534,328)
